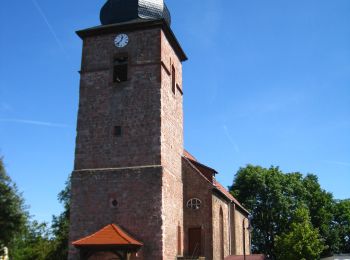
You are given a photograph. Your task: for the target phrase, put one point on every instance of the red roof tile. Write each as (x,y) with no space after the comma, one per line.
(207,171)
(189,156)
(228,194)
(225,192)
(111,235)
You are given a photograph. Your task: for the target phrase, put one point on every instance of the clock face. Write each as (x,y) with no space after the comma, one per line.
(121,40)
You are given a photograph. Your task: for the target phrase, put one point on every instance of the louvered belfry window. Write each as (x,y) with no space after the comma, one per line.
(120,69)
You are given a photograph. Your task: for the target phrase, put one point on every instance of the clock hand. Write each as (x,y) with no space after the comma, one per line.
(120,40)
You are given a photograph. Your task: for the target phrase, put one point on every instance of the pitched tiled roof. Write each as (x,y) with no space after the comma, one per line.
(204,170)
(228,195)
(111,235)
(189,156)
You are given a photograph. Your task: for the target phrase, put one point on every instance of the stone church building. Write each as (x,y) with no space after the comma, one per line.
(136,193)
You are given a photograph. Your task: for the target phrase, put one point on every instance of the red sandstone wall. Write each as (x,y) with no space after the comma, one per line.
(239,233)
(233,233)
(219,203)
(134,105)
(150,193)
(138,192)
(232,208)
(196,186)
(171,110)
(171,150)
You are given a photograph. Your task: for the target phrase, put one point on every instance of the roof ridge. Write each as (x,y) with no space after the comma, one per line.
(111,234)
(122,234)
(228,194)
(129,238)
(87,237)
(190,162)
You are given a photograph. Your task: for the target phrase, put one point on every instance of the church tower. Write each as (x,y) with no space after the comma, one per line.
(129,141)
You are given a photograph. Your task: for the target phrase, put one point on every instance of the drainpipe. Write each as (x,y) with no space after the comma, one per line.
(243,226)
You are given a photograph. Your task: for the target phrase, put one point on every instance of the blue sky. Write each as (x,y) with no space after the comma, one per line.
(267,83)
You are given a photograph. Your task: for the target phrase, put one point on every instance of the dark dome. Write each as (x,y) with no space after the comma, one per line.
(118,11)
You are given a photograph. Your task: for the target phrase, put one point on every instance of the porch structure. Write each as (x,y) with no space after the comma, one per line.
(111,239)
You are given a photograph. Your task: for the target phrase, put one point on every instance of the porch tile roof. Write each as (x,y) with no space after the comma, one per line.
(111,235)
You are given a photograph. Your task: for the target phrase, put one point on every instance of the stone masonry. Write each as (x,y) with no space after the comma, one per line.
(140,177)
(134,180)
(217,241)
(199,187)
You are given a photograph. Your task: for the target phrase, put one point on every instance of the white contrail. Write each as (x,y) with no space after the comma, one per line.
(229,137)
(33,122)
(58,41)
(339,163)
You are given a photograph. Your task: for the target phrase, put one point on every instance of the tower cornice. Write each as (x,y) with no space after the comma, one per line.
(136,25)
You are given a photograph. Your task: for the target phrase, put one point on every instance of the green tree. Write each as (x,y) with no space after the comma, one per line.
(33,243)
(342,224)
(13,215)
(60,226)
(302,241)
(30,240)
(321,206)
(273,198)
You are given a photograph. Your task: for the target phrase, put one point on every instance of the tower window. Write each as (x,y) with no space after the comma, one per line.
(113,203)
(120,69)
(173,79)
(117,131)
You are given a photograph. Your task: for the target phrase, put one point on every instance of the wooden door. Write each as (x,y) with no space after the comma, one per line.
(195,241)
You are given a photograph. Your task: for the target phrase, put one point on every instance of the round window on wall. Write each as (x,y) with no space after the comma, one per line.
(194,204)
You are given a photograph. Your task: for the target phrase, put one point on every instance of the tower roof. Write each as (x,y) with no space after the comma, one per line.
(119,11)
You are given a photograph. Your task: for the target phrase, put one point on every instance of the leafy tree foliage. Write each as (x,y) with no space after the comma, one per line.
(321,206)
(273,198)
(12,212)
(41,242)
(302,241)
(30,240)
(60,226)
(33,243)
(342,225)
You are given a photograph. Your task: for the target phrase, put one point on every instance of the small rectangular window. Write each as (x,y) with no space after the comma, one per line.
(173,79)
(117,131)
(120,69)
